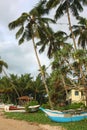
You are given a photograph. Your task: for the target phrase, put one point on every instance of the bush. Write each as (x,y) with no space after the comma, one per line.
(46,105)
(31,103)
(74,106)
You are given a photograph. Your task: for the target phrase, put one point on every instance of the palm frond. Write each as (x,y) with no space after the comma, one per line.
(40,9)
(82,20)
(19,33)
(22,39)
(19,22)
(74,10)
(41,33)
(48,20)
(60,10)
(2,63)
(52,3)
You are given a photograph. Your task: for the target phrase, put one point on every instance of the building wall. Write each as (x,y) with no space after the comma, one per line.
(76,96)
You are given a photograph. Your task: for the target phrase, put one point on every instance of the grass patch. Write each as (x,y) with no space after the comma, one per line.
(39,117)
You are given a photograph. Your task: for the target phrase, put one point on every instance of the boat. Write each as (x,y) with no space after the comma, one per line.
(13,108)
(50,111)
(34,108)
(58,116)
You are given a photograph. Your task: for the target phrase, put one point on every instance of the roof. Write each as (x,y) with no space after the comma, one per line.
(24,98)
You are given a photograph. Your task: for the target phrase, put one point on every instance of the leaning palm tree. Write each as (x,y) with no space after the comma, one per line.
(32,25)
(64,6)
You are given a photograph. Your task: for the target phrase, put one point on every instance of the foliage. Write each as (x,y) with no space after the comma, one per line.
(24,84)
(45,105)
(74,106)
(69,63)
(30,103)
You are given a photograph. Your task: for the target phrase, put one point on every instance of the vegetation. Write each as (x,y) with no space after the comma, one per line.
(39,117)
(25,85)
(31,103)
(67,51)
(74,106)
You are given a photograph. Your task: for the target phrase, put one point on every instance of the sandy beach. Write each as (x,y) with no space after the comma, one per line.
(11,124)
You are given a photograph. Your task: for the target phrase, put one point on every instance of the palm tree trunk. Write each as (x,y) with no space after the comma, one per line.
(64,85)
(42,73)
(70,27)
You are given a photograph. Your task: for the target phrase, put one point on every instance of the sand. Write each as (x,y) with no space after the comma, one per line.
(11,124)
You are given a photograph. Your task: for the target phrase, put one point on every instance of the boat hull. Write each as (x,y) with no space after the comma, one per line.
(58,116)
(67,119)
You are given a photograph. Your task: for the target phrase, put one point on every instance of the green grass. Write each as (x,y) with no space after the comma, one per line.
(39,117)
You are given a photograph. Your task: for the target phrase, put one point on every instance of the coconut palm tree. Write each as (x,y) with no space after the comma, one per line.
(53,42)
(2,65)
(32,25)
(64,6)
(80,32)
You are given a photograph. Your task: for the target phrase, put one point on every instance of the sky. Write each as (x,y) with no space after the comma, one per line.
(20,59)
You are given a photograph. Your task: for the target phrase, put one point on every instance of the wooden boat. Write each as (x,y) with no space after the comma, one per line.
(58,116)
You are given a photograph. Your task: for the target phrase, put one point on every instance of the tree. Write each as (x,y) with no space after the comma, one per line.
(53,42)
(2,65)
(30,26)
(80,32)
(7,91)
(25,83)
(63,7)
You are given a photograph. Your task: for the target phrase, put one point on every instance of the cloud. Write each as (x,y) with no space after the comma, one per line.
(21,59)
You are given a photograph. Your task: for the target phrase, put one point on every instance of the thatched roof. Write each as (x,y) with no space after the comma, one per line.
(26,98)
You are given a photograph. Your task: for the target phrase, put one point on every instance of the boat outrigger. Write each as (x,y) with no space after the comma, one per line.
(58,116)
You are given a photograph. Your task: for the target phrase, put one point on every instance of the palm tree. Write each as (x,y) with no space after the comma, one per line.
(44,68)
(24,83)
(60,64)
(53,42)
(63,7)
(80,32)
(31,25)
(2,65)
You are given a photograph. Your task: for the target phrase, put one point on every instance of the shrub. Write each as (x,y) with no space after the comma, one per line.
(74,106)
(46,105)
(31,103)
